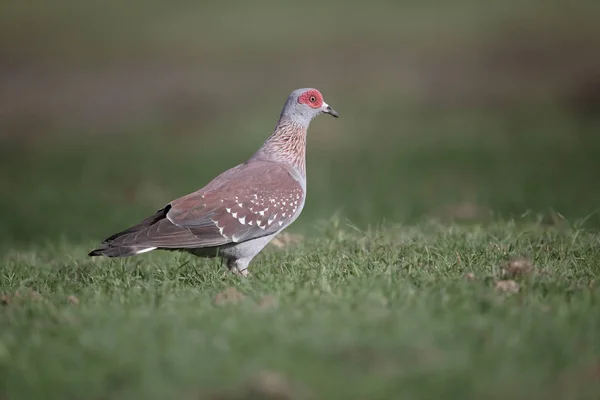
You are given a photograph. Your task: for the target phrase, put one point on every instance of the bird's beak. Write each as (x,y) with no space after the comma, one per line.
(328,110)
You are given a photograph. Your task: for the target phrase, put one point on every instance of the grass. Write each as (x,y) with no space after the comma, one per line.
(360,309)
(456,153)
(346,314)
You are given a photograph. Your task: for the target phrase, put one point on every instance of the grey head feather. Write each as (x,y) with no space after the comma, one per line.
(300,114)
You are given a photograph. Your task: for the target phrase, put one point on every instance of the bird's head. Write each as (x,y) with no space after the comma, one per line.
(305,104)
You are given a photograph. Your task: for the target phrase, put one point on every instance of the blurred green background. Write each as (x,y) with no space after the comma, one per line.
(474,112)
(460,109)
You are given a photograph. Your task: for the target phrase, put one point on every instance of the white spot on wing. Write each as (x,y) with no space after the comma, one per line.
(220,227)
(242,220)
(234,215)
(228,209)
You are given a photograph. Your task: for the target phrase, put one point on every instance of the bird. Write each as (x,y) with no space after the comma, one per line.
(241,210)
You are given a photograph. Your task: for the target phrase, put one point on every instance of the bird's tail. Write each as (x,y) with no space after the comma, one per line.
(155,232)
(114,246)
(120,251)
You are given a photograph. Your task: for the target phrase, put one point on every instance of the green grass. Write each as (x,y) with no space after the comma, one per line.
(376,314)
(361,309)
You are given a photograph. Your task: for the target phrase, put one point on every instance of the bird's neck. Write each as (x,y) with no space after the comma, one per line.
(287,144)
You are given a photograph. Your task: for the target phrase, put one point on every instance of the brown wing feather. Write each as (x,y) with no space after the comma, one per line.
(155,231)
(260,199)
(244,202)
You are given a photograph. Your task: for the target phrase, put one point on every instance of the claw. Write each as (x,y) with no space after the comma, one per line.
(243,272)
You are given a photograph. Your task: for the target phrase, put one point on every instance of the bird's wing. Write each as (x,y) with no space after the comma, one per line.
(246,202)
(154,231)
(252,200)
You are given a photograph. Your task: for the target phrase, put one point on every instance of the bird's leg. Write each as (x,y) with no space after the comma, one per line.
(238,266)
(243,272)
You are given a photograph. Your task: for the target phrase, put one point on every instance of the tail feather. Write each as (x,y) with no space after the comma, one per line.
(120,251)
(160,214)
(154,232)
(112,249)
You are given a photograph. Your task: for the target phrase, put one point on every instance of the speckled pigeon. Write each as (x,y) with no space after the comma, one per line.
(240,211)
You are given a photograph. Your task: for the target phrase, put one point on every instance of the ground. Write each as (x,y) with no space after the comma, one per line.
(449,245)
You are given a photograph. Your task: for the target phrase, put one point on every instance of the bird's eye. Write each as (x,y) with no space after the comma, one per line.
(312,99)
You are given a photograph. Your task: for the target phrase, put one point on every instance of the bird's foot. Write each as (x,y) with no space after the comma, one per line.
(238,266)
(243,272)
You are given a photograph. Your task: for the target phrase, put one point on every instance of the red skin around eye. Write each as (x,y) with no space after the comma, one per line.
(305,98)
